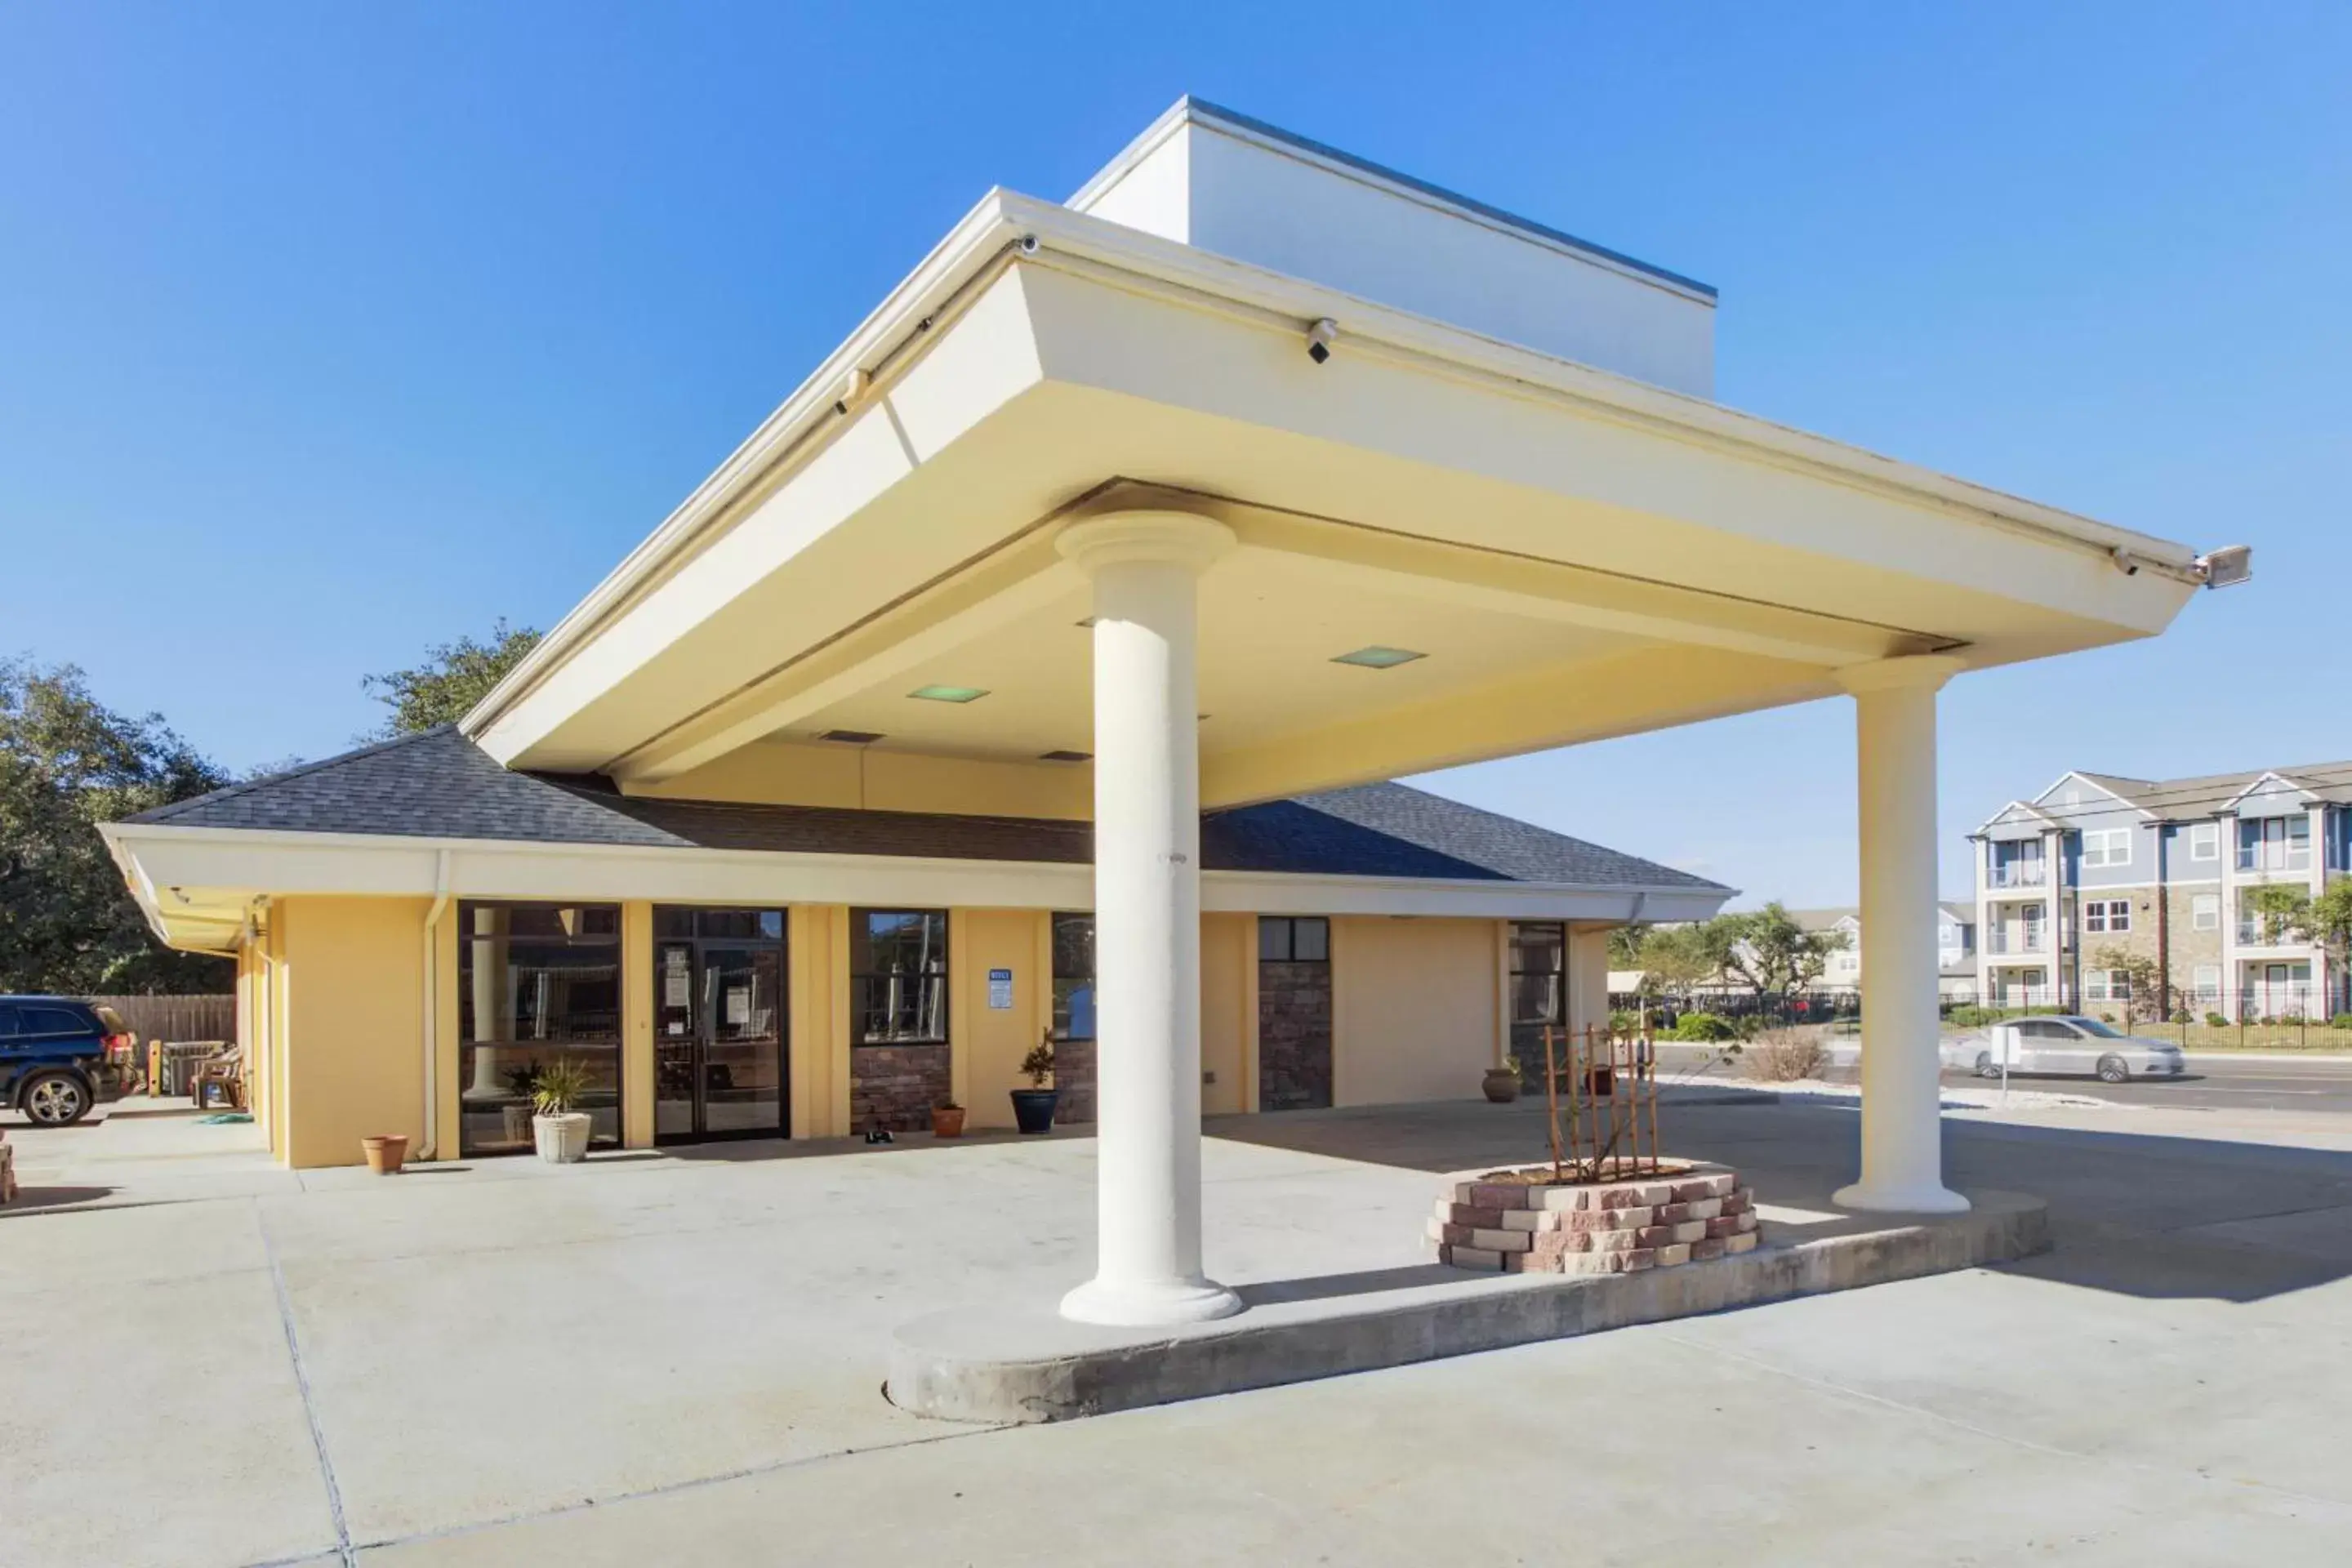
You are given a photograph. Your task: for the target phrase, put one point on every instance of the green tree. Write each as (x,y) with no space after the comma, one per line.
(1770,951)
(2143,980)
(1678,959)
(2283,910)
(67,923)
(2289,913)
(452,678)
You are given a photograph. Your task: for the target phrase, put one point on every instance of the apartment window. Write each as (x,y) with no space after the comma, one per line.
(2107,847)
(1294,939)
(2274,844)
(2205,841)
(2107,915)
(537,983)
(2206,980)
(2205,912)
(1073,977)
(898,976)
(2106,985)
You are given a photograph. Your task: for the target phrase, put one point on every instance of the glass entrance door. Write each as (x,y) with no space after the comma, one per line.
(719,1025)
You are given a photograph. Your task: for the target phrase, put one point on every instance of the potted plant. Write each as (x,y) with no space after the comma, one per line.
(947,1120)
(384,1152)
(1501,1083)
(1033,1108)
(521,1082)
(559,1127)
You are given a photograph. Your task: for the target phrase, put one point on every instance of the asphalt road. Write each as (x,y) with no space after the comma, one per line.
(2319,1084)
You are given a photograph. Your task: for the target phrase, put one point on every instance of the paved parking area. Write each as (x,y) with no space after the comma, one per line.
(674,1359)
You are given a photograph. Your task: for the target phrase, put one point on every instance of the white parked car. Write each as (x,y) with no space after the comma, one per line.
(2068,1044)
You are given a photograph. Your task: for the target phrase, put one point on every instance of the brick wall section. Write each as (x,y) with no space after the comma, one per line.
(1294,1037)
(1617,1227)
(1074,1075)
(895,1087)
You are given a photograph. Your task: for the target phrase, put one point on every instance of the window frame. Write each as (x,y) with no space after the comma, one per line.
(1289,925)
(2204,841)
(604,1047)
(1517,972)
(2107,917)
(2106,840)
(2205,911)
(1063,1014)
(932,979)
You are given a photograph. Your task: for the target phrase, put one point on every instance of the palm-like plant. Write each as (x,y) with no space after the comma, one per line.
(560,1087)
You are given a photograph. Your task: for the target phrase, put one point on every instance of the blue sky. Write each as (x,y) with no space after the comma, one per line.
(328,332)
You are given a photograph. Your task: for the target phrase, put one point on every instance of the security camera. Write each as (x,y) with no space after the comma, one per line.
(2226,567)
(1028,244)
(1319,339)
(2126,562)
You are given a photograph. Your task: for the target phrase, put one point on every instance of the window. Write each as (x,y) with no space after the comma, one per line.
(898,976)
(1539,974)
(2107,915)
(2205,912)
(2107,847)
(537,983)
(2274,844)
(1073,977)
(1294,939)
(2206,980)
(2106,985)
(2205,841)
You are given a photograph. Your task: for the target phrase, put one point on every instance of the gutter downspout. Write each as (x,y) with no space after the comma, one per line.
(433,1005)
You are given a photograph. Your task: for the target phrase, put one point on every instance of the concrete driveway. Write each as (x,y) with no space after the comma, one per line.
(674,1359)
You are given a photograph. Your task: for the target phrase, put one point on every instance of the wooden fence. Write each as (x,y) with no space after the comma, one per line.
(175,1017)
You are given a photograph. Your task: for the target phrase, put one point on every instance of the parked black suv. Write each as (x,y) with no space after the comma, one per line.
(59,1057)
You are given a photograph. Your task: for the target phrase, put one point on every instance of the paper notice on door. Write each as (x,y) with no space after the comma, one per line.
(739,1006)
(1000,989)
(677,988)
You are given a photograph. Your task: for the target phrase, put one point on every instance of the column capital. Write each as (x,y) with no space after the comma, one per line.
(1178,537)
(1917,671)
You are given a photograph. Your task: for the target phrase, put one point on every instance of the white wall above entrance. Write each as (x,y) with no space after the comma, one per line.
(1221,182)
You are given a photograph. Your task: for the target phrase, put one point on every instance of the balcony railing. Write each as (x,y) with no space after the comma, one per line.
(2000,942)
(2019,874)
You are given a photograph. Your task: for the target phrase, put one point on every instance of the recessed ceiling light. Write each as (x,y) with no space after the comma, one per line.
(852,737)
(1377,657)
(948,693)
(1067,757)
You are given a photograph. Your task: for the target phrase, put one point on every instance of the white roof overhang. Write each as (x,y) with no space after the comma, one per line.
(1581,555)
(198,886)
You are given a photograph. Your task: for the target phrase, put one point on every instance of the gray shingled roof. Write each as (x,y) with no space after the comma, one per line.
(2207,794)
(440,784)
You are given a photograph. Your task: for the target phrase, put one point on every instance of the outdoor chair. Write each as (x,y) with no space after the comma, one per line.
(224,1070)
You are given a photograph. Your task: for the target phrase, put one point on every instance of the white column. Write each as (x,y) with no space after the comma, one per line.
(1146,568)
(1901,1146)
(2053,922)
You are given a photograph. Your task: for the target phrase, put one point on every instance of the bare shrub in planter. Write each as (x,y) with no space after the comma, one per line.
(1786,1055)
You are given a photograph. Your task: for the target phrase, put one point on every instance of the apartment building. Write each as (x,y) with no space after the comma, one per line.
(1956,948)
(2160,867)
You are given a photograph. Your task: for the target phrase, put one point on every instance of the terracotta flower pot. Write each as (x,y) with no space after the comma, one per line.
(385,1152)
(946,1121)
(1501,1083)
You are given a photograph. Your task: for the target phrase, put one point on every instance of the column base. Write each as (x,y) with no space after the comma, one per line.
(1924,1197)
(1157,1303)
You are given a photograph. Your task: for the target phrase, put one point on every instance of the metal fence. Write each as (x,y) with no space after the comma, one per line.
(175,1017)
(2287,1015)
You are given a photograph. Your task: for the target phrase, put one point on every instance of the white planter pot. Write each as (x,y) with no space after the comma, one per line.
(562,1140)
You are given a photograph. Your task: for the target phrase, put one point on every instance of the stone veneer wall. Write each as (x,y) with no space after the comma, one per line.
(1294,1037)
(1074,1075)
(895,1087)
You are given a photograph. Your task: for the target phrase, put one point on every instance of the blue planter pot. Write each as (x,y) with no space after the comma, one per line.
(1033,1108)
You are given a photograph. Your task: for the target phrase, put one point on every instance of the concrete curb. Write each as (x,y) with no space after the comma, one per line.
(1028,1367)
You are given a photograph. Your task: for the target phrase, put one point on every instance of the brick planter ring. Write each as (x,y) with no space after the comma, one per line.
(1683,1215)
